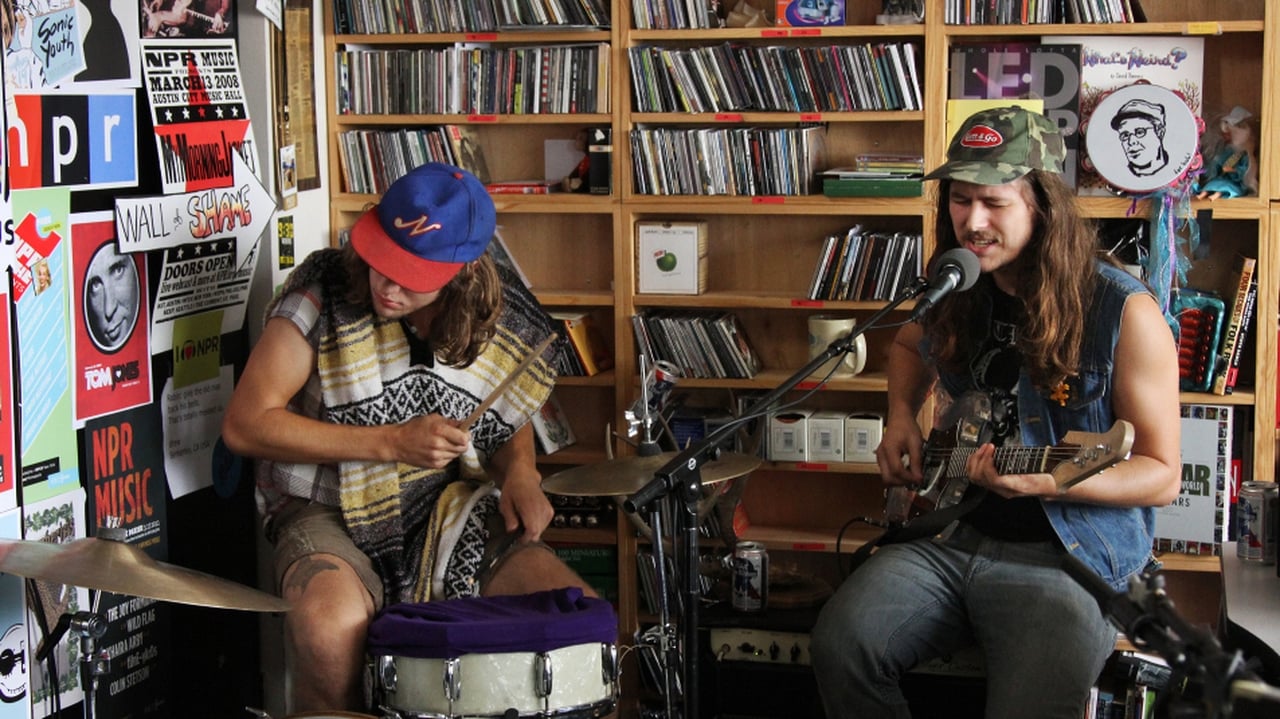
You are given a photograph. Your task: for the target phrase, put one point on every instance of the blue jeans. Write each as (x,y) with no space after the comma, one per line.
(1042,636)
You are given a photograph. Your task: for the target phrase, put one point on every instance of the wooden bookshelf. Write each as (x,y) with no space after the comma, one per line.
(580,250)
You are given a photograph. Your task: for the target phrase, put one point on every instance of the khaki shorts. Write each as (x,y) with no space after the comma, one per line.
(304,528)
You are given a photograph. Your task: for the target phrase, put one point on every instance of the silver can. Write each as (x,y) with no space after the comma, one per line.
(1256,511)
(750,577)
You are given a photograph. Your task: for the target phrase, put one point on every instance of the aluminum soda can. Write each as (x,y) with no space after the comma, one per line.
(750,577)
(1256,511)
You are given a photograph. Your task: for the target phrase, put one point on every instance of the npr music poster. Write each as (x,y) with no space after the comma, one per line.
(199,111)
(112,368)
(125,477)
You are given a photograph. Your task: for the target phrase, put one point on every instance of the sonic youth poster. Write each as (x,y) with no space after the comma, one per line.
(199,112)
(14,674)
(40,274)
(110,312)
(45,49)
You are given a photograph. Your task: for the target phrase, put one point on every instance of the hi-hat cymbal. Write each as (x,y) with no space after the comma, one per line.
(113,566)
(626,475)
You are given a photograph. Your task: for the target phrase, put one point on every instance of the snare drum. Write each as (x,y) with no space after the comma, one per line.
(543,654)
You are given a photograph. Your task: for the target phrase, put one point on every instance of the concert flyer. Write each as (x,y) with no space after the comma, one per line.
(199,112)
(127,485)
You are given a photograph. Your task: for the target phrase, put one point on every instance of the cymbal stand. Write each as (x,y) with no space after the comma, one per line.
(668,649)
(91,627)
(682,478)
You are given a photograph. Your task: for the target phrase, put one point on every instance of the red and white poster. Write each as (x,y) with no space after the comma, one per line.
(112,370)
(199,111)
(8,442)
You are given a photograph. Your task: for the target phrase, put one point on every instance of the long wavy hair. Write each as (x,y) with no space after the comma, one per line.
(469,307)
(1055,281)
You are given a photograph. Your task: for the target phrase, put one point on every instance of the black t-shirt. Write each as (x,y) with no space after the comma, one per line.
(994,370)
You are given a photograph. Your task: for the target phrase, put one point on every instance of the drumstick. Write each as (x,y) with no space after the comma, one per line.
(502,387)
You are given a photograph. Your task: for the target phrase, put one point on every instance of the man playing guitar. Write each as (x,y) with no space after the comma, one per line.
(177,18)
(1061,341)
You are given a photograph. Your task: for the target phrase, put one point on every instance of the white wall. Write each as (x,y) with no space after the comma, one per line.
(311,232)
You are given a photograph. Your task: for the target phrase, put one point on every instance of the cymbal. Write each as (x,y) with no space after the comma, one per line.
(626,475)
(113,566)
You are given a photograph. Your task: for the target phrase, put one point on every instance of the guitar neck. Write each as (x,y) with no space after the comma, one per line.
(1025,460)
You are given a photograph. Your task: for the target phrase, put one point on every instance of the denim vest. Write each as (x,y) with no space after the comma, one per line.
(1114,542)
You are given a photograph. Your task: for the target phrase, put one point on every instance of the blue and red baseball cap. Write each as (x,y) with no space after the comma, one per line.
(428,225)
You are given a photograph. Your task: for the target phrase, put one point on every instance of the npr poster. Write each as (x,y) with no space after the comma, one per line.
(125,477)
(199,112)
(109,304)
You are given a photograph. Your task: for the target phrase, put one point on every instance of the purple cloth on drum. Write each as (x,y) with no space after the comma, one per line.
(450,628)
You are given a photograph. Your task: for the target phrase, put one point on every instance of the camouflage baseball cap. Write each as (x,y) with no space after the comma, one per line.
(1000,145)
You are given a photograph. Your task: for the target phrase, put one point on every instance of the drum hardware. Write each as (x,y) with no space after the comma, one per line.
(107,564)
(680,481)
(546,654)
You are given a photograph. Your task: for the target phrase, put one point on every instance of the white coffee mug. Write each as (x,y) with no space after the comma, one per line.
(825,329)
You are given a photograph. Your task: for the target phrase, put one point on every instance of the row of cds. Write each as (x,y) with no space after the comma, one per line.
(429,16)
(739,77)
(749,161)
(862,265)
(674,14)
(475,79)
(1024,12)
(373,159)
(708,344)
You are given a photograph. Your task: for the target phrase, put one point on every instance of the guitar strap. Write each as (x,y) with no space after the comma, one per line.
(926,525)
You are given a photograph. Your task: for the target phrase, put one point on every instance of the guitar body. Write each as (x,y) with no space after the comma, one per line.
(968,424)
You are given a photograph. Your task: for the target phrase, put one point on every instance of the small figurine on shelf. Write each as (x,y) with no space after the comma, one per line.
(1230,168)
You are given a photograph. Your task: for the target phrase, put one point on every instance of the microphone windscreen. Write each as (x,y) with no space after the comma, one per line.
(963,260)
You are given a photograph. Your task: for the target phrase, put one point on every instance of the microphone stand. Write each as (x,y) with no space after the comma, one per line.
(1148,617)
(683,477)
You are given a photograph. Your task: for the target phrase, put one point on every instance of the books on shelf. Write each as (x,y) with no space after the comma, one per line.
(465,16)
(1021,71)
(703,344)
(1028,12)
(1237,297)
(591,352)
(741,77)
(1195,522)
(728,160)
(551,428)
(1109,62)
(467,152)
(862,265)
(502,256)
(881,186)
(475,78)
(522,187)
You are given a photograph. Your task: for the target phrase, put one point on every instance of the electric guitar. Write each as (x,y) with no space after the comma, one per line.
(948,448)
(162,22)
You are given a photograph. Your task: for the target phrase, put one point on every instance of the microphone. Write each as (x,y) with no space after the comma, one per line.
(956,270)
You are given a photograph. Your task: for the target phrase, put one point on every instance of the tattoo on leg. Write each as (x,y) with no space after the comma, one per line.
(307,569)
